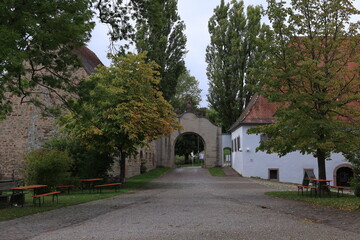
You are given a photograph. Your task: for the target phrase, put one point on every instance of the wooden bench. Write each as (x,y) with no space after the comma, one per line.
(312,189)
(68,187)
(53,194)
(339,188)
(100,186)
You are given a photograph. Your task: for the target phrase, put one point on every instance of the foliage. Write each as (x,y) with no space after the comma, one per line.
(78,197)
(187,87)
(88,162)
(354,158)
(313,76)
(160,32)
(213,116)
(188,143)
(47,167)
(120,108)
(37,38)
(237,48)
(346,202)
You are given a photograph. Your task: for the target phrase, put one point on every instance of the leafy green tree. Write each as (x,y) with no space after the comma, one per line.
(120,108)
(160,32)
(237,47)
(37,38)
(313,73)
(187,87)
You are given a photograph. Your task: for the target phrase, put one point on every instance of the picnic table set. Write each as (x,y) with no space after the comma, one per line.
(319,187)
(39,192)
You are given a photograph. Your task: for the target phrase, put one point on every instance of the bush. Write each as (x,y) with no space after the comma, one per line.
(354,158)
(88,163)
(47,167)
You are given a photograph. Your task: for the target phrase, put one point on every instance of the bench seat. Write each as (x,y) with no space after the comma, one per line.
(302,187)
(339,188)
(53,194)
(100,186)
(68,187)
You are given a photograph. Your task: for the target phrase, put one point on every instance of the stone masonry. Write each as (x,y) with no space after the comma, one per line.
(26,129)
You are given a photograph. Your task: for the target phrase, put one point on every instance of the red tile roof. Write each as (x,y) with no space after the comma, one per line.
(258,111)
(88,59)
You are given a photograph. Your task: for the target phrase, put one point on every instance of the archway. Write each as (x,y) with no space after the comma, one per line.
(227,156)
(210,134)
(343,175)
(189,149)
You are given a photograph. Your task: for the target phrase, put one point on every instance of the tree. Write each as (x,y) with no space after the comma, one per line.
(187,87)
(160,32)
(237,46)
(313,74)
(120,108)
(37,38)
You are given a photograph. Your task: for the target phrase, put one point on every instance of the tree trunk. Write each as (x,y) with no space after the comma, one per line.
(122,166)
(321,157)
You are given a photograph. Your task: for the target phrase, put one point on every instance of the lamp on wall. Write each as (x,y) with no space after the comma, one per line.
(248,149)
(240,149)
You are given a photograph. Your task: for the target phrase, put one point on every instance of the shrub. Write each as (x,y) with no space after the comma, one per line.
(88,162)
(47,167)
(354,158)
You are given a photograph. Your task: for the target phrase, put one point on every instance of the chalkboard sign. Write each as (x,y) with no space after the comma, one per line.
(308,173)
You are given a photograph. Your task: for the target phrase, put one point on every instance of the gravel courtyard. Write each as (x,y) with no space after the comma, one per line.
(188,203)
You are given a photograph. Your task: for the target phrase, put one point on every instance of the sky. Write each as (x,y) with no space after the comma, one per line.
(195,14)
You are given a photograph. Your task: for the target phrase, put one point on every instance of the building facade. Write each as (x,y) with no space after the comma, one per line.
(289,168)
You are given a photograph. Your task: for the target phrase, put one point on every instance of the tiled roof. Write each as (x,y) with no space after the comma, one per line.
(88,59)
(258,111)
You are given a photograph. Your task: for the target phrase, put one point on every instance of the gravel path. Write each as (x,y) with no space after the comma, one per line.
(188,203)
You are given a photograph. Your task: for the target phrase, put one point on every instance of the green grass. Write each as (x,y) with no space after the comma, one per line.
(346,202)
(77,197)
(217,172)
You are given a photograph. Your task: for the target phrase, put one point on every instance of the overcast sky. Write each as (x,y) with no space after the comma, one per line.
(195,14)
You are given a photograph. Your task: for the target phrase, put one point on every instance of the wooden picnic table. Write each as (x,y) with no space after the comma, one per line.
(90,183)
(322,185)
(21,196)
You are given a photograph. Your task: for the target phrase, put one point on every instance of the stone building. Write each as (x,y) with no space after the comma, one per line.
(26,128)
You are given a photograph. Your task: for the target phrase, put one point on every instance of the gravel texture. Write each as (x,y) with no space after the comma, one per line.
(188,203)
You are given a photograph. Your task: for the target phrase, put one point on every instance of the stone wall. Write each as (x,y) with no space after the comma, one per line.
(133,163)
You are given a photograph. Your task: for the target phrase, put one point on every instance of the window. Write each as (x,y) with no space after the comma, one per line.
(274,174)
(263,138)
(238,143)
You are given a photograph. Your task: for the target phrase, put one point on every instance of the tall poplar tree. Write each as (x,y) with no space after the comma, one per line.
(313,72)
(160,33)
(237,47)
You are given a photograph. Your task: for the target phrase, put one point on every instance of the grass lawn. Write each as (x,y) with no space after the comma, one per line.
(346,202)
(217,172)
(77,197)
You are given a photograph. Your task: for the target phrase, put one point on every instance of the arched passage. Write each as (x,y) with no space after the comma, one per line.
(201,126)
(189,149)
(343,175)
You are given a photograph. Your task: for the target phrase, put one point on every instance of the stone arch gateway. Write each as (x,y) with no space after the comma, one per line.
(210,134)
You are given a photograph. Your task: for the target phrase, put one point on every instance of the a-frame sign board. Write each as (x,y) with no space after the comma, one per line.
(308,173)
